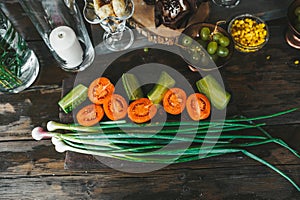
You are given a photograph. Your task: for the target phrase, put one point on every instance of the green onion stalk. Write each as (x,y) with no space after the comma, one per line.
(143,143)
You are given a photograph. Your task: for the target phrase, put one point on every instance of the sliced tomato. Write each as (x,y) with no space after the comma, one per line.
(141,110)
(174,101)
(115,107)
(198,106)
(90,115)
(100,89)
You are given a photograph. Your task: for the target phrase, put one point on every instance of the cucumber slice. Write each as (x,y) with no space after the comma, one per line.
(164,82)
(132,86)
(217,95)
(74,98)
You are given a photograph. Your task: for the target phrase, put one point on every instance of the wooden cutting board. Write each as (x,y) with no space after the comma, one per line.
(133,59)
(143,20)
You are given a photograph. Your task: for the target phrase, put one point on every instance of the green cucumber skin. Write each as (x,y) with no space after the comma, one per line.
(157,93)
(74,98)
(219,97)
(132,86)
(164,82)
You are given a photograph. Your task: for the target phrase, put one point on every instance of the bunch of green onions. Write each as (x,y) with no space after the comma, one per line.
(143,143)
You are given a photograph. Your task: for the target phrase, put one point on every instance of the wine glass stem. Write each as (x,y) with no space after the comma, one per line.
(116,36)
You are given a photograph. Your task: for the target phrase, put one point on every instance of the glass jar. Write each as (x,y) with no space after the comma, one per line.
(19,65)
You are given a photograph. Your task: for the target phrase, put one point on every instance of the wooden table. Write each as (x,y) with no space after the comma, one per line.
(260,83)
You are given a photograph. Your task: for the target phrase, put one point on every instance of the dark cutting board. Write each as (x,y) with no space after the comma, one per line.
(152,63)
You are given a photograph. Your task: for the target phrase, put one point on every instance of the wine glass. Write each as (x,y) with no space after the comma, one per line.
(226,3)
(117,36)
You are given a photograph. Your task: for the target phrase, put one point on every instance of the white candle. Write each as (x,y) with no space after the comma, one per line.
(65,43)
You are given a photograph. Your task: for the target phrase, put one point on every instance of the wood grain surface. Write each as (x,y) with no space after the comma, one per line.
(260,83)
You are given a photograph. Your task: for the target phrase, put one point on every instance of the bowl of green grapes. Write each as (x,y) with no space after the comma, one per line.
(206,46)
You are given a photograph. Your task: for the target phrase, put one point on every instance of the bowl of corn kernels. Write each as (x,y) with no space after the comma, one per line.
(249,32)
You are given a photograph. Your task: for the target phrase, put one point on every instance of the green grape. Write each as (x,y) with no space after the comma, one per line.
(222,51)
(212,47)
(205,33)
(224,41)
(217,36)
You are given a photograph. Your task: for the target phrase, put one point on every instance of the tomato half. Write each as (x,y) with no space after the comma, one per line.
(90,115)
(198,106)
(115,107)
(141,110)
(100,89)
(174,101)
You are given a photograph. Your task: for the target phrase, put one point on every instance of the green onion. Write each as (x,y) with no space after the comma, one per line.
(168,142)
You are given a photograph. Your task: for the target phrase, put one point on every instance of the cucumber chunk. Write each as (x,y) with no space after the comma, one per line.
(164,83)
(74,98)
(217,95)
(132,86)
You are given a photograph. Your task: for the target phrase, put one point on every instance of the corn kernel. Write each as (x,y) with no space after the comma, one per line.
(248,32)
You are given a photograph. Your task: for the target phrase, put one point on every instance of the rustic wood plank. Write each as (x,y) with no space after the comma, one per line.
(182,184)
(30,158)
(35,167)
(19,114)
